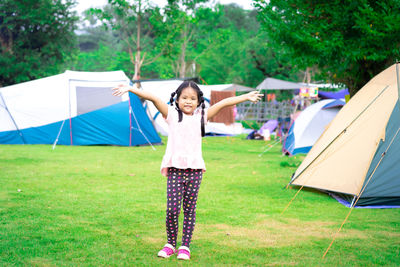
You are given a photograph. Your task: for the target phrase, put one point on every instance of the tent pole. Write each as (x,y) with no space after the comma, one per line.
(130,121)
(58,135)
(348,214)
(353,202)
(290,202)
(15,124)
(70,121)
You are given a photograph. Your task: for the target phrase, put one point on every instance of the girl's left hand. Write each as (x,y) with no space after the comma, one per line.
(254,96)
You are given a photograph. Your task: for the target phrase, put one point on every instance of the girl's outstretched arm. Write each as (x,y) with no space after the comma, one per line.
(160,105)
(253,96)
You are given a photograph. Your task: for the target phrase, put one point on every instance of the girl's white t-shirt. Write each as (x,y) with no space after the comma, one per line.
(184,141)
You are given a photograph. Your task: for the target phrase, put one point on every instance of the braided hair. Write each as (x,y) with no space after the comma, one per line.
(200,98)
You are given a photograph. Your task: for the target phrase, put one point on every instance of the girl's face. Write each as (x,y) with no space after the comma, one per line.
(188,101)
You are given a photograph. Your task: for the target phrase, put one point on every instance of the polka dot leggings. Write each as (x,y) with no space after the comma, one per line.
(182,184)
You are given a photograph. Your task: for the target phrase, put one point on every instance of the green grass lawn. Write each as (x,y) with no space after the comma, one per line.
(105,205)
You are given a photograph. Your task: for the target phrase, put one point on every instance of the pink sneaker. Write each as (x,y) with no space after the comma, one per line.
(167,251)
(183,253)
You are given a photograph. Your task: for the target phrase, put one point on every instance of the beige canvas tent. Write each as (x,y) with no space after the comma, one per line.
(358,155)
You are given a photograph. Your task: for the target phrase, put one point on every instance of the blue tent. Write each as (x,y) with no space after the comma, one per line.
(74,108)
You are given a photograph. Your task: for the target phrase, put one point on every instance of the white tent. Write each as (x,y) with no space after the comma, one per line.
(277,84)
(309,126)
(75,107)
(272,84)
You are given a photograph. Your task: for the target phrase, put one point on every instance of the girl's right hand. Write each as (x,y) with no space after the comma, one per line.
(120,90)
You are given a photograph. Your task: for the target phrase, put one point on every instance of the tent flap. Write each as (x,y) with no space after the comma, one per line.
(384,172)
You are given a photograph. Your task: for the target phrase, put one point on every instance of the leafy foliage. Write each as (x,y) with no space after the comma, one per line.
(36,38)
(220,44)
(133,22)
(240,51)
(343,42)
(349,41)
(184,25)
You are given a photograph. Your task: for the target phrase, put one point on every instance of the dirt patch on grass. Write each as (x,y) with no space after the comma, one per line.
(390,234)
(4,195)
(273,233)
(155,240)
(67,218)
(41,262)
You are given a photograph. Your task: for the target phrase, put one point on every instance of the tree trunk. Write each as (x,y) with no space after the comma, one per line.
(307,75)
(138,61)
(182,62)
(7,45)
(182,56)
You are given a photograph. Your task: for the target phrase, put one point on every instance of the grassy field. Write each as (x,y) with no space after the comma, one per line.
(105,205)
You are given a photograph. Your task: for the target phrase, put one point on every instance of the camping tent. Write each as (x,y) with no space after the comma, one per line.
(358,155)
(277,84)
(73,108)
(272,84)
(163,89)
(309,126)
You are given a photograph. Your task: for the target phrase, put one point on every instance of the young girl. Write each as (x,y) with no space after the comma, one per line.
(183,163)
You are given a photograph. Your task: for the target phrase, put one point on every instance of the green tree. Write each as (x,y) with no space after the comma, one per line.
(349,41)
(240,52)
(232,27)
(36,38)
(183,25)
(221,44)
(134,22)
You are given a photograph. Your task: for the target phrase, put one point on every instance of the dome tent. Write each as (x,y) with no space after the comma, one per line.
(309,126)
(73,108)
(357,156)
